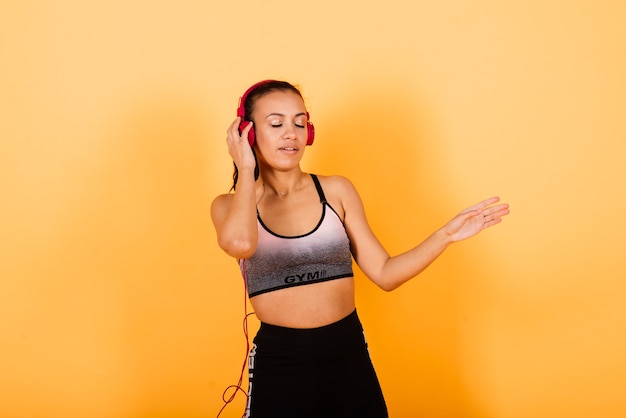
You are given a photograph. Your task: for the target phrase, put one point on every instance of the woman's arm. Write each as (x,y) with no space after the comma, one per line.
(390,272)
(234,215)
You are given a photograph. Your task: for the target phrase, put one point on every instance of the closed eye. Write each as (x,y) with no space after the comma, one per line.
(298,125)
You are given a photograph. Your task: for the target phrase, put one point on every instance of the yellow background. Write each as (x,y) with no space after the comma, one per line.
(115,300)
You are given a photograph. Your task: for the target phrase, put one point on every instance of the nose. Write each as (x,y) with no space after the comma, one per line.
(290,131)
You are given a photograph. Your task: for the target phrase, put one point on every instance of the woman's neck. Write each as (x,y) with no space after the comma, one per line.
(282,184)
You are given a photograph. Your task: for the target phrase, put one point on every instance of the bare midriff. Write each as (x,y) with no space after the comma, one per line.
(307,306)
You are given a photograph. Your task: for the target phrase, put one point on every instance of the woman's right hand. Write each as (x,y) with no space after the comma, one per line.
(238,146)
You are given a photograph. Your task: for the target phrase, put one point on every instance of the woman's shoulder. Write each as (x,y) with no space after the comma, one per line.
(335,183)
(340,192)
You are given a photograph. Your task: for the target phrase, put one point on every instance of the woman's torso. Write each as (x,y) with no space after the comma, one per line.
(302,219)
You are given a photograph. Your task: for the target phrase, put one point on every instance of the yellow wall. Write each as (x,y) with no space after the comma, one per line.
(115,300)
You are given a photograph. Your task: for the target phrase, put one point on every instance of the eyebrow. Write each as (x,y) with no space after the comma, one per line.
(283,115)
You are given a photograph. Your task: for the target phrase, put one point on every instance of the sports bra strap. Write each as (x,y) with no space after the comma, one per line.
(320,192)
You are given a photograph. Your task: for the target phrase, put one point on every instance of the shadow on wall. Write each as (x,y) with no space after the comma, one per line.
(146,228)
(386,140)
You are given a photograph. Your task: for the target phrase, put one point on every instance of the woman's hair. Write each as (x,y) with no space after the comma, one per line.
(249,100)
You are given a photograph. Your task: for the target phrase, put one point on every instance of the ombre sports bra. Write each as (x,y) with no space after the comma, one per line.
(287,261)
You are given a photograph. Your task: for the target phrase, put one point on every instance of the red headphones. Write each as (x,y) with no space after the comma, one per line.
(241,112)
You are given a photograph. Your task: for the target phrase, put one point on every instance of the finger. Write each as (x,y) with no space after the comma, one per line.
(498,210)
(232,134)
(486,202)
(481,205)
(246,129)
(492,222)
(494,215)
(234,125)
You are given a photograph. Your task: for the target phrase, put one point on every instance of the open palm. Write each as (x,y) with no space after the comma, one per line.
(476,218)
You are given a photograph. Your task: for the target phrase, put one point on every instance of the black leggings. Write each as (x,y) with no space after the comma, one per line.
(321,372)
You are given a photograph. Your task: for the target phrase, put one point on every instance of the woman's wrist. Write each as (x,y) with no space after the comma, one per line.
(443,237)
(246,172)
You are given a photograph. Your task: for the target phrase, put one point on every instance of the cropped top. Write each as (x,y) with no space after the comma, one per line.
(281,262)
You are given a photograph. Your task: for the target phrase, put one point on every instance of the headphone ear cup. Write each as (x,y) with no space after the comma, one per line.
(310,133)
(251,135)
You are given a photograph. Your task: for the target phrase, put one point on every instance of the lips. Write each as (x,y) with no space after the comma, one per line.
(288,149)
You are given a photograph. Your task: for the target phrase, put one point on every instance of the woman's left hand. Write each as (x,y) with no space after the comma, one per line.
(476,218)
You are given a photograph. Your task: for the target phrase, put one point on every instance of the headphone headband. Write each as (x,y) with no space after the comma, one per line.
(241,110)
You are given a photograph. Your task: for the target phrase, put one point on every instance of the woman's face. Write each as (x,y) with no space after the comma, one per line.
(280,125)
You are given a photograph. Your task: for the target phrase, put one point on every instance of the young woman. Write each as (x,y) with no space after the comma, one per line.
(295,235)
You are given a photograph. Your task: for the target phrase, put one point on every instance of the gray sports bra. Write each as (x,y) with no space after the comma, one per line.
(286,261)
